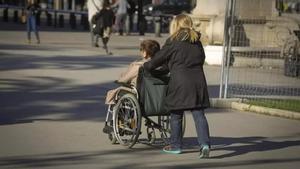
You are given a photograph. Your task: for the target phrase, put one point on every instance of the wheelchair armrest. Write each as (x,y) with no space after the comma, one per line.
(123,84)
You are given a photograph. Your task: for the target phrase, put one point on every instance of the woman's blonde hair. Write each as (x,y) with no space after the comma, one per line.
(181,28)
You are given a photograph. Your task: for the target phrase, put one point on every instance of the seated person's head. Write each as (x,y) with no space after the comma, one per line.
(148,48)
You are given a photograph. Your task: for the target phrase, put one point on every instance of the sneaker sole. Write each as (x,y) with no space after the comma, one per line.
(173,152)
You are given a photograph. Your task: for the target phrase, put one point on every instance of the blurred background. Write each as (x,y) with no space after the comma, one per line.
(254,42)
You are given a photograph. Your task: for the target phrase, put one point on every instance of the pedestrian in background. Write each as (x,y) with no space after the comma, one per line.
(93,6)
(130,11)
(107,16)
(121,14)
(32,11)
(187,91)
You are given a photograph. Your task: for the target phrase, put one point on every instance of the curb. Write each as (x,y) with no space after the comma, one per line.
(236,104)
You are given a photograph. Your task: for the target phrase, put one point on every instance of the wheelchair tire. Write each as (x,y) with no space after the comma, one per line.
(111,135)
(127,120)
(164,122)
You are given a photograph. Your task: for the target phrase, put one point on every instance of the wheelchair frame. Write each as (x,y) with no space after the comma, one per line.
(123,120)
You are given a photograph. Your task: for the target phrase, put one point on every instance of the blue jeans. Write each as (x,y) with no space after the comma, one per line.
(201,128)
(31,26)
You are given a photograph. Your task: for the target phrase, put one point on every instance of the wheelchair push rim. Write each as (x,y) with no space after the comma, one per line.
(127,120)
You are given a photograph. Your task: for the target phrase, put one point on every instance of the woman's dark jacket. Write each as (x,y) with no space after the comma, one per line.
(33,9)
(187,86)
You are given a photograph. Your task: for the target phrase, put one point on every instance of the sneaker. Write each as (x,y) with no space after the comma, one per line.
(170,150)
(96,45)
(204,152)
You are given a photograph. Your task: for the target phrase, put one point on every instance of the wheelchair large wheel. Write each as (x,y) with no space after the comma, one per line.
(111,135)
(127,120)
(108,127)
(165,123)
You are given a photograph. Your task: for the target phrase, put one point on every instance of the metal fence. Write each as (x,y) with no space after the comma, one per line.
(262,51)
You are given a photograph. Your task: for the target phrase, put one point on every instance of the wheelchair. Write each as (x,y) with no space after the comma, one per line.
(124,118)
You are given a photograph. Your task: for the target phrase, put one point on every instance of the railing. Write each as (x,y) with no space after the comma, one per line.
(58,16)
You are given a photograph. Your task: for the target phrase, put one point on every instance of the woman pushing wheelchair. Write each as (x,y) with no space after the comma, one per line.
(187,88)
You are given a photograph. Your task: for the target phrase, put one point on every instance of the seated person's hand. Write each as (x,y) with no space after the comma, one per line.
(122,83)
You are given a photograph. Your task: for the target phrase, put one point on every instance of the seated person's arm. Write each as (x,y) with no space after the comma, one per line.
(130,73)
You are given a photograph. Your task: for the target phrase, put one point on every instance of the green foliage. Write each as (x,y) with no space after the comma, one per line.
(291,105)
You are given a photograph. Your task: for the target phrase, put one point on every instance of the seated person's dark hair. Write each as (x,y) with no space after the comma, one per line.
(150,47)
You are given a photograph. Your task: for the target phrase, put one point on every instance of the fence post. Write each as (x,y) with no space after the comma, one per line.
(157,25)
(61,20)
(55,18)
(142,24)
(127,25)
(49,19)
(84,22)
(16,16)
(228,56)
(73,20)
(225,43)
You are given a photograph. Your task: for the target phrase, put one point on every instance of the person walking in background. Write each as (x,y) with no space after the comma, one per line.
(187,91)
(121,14)
(93,6)
(130,12)
(104,22)
(32,11)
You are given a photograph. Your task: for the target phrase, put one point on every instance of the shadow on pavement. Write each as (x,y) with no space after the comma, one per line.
(24,100)
(24,47)
(234,147)
(17,62)
(27,101)
(100,158)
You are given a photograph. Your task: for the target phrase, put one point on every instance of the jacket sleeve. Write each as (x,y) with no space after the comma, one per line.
(160,58)
(130,73)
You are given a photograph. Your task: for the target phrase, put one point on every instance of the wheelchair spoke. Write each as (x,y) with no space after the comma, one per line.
(127,120)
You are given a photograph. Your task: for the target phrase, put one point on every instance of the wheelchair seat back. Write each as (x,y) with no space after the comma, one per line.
(152,93)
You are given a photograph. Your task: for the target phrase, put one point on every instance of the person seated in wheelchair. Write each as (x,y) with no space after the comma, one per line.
(148,48)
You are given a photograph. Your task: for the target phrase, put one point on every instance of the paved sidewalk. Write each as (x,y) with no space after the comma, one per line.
(52,113)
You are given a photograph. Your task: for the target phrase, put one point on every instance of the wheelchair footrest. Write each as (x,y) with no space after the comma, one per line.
(108,129)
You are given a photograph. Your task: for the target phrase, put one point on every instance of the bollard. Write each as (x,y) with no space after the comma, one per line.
(82,19)
(127,25)
(157,26)
(61,20)
(85,22)
(73,21)
(16,17)
(49,19)
(5,15)
(142,23)
(55,19)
